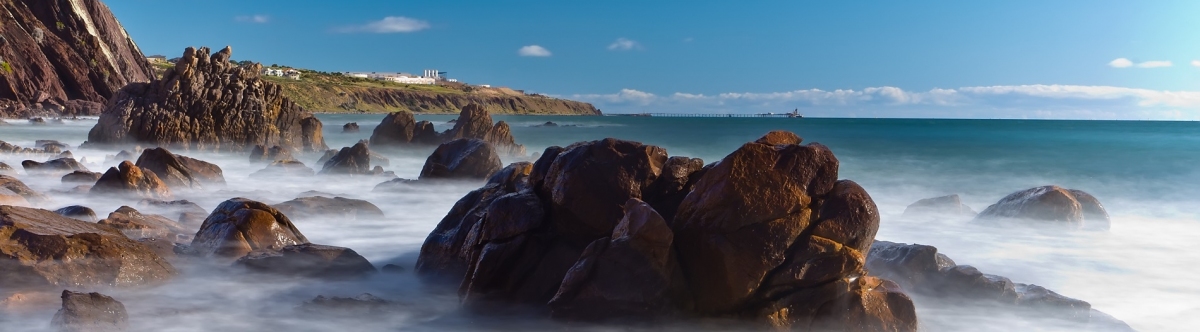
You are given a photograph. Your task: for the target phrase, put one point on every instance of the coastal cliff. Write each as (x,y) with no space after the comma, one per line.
(63,57)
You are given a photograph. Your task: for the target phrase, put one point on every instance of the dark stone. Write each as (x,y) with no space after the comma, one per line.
(262,154)
(462,159)
(350,127)
(179,171)
(78,212)
(309,260)
(90,312)
(127,179)
(339,208)
(1049,205)
(61,166)
(239,226)
(81,177)
(354,160)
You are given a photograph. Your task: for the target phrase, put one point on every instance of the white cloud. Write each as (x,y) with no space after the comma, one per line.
(1006,101)
(1195,63)
(1120,63)
(1126,63)
(624,44)
(1154,64)
(533,50)
(253,19)
(390,24)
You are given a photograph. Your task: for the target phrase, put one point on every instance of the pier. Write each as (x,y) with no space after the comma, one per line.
(714,115)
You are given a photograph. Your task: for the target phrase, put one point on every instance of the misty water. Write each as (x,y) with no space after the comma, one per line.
(1145,173)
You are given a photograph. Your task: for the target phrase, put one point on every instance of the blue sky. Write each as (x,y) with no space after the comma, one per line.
(995,59)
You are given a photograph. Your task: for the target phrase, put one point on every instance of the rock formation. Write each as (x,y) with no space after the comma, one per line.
(475,122)
(768,234)
(1051,205)
(354,160)
(350,127)
(127,179)
(923,270)
(207,103)
(337,208)
(56,166)
(262,154)
(284,167)
(309,260)
(401,129)
(462,159)
(90,312)
(947,206)
(39,247)
(137,226)
(179,171)
(64,58)
(81,177)
(14,186)
(79,212)
(239,226)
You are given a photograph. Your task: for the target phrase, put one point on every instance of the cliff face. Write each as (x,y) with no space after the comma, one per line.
(63,56)
(333,98)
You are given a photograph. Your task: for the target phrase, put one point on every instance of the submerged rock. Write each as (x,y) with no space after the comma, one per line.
(81,177)
(354,160)
(285,167)
(339,208)
(768,234)
(183,211)
(262,154)
(79,212)
(12,186)
(137,226)
(127,179)
(462,159)
(949,205)
(1052,205)
(90,312)
(207,103)
(350,127)
(5,169)
(239,226)
(310,261)
(363,304)
(180,171)
(60,166)
(41,248)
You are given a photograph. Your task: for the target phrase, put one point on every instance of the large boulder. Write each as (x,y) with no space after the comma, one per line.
(396,129)
(239,226)
(475,122)
(12,186)
(309,260)
(462,159)
(942,206)
(8,197)
(180,171)
(56,166)
(39,247)
(340,208)
(207,103)
(1049,205)
(90,312)
(354,160)
(127,179)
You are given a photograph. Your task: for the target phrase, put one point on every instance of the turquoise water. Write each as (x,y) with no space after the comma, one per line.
(1146,174)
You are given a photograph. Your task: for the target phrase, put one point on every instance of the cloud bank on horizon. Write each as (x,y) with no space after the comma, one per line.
(1036,101)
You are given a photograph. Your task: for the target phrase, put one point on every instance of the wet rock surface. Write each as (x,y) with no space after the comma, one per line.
(239,226)
(90,312)
(462,159)
(180,171)
(768,235)
(41,248)
(79,212)
(207,103)
(1049,205)
(129,180)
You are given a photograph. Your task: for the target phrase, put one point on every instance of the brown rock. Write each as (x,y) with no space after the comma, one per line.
(127,179)
(625,276)
(340,208)
(475,122)
(309,260)
(90,312)
(462,159)
(14,186)
(1051,205)
(8,197)
(42,248)
(81,177)
(137,226)
(7,170)
(608,172)
(207,103)
(59,166)
(354,160)
(396,129)
(424,134)
(262,154)
(179,171)
(678,177)
(239,226)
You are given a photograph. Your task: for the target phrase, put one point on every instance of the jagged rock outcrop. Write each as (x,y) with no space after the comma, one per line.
(90,312)
(474,121)
(127,179)
(207,103)
(353,160)
(942,206)
(462,159)
(64,58)
(1049,205)
(768,234)
(309,260)
(78,212)
(180,171)
(339,208)
(39,248)
(239,226)
(923,270)
(262,154)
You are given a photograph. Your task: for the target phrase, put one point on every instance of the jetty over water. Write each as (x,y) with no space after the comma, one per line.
(714,115)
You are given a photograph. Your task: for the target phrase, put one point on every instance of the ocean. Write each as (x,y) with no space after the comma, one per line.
(1147,175)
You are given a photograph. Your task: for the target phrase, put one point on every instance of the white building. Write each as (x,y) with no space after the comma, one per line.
(402,78)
